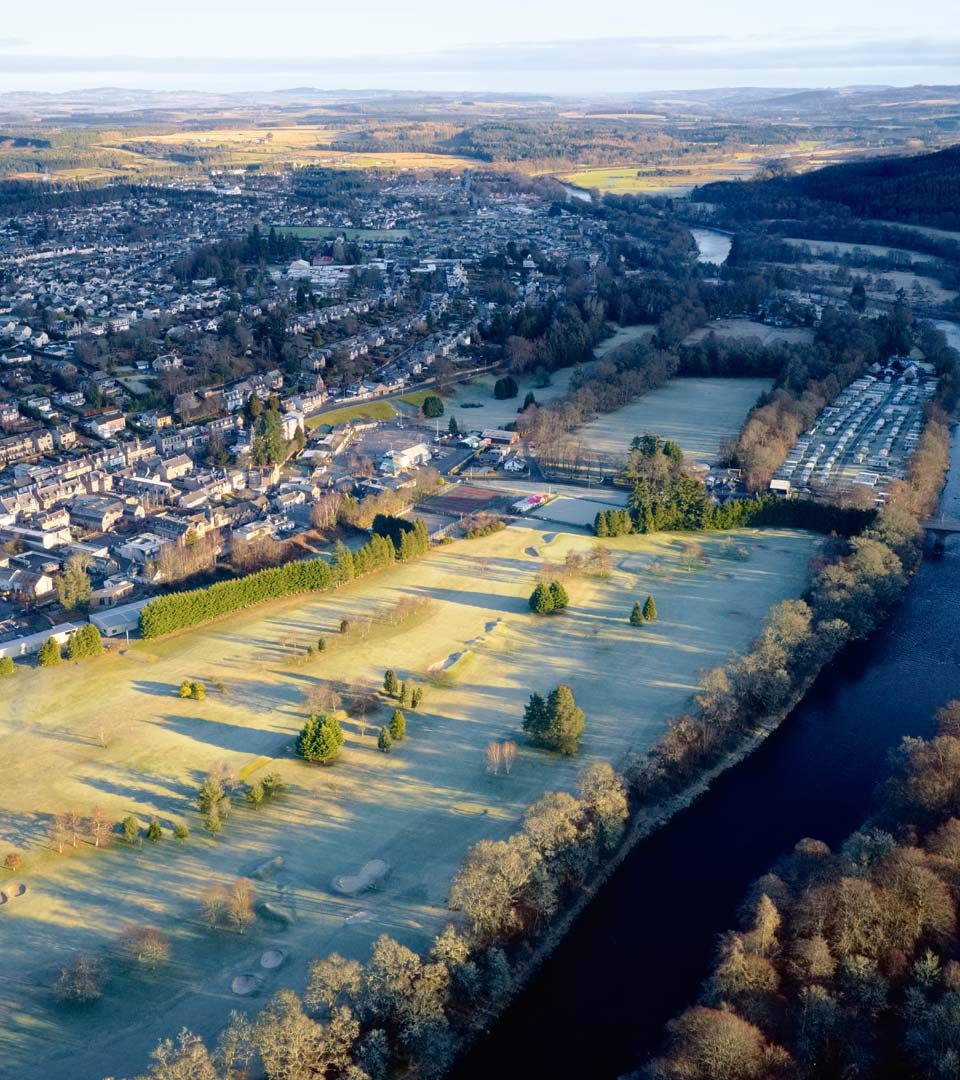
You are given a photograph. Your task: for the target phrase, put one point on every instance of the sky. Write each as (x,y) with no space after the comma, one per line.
(495,45)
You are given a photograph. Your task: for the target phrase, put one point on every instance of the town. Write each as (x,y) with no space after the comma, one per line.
(131,390)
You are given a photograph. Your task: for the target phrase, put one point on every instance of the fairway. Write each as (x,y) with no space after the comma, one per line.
(477,651)
(492,413)
(697,413)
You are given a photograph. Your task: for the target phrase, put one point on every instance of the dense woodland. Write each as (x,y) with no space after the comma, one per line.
(920,190)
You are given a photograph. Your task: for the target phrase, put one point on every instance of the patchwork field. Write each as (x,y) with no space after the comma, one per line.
(114,732)
(697,413)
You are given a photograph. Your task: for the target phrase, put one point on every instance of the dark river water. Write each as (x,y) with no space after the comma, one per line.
(639,953)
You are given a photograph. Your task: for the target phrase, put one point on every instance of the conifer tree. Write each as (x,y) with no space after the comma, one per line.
(541,600)
(321,739)
(390,682)
(535,719)
(649,609)
(398,725)
(636,616)
(384,742)
(565,721)
(50,653)
(558,594)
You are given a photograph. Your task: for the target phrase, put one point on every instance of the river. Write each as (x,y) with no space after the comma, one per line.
(641,950)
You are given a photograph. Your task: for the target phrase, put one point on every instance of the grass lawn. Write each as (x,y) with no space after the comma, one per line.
(369,410)
(697,413)
(478,651)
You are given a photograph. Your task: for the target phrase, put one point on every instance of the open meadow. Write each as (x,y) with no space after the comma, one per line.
(747,328)
(114,732)
(699,414)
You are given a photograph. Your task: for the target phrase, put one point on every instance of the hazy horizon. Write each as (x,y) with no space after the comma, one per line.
(427,46)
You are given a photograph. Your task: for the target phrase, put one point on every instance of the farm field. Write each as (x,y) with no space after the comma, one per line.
(697,413)
(624,335)
(677,179)
(818,247)
(301,144)
(747,328)
(478,652)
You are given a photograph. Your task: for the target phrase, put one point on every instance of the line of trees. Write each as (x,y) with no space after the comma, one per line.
(174,611)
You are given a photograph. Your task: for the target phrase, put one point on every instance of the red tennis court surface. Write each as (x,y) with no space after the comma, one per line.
(462,499)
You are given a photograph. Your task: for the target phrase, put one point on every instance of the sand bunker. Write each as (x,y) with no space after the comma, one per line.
(275,911)
(446,666)
(12,891)
(372,874)
(245,984)
(272,958)
(268,869)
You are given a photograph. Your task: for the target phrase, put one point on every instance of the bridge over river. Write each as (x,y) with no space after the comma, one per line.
(938,531)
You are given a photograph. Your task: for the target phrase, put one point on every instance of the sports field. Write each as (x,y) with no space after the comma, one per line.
(479,653)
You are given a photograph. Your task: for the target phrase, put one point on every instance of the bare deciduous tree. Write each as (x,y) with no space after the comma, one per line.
(493,758)
(98,827)
(508,755)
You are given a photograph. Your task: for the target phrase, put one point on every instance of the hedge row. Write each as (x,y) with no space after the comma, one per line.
(175,611)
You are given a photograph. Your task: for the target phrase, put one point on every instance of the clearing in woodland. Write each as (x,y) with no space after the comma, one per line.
(114,732)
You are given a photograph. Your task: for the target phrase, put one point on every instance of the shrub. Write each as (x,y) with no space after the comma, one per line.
(273,785)
(13,861)
(80,980)
(7,667)
(154,832)
(321,739)
(145,945)
(180,833)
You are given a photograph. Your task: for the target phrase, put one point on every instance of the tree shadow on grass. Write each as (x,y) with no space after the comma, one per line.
(243,740)
(513,605)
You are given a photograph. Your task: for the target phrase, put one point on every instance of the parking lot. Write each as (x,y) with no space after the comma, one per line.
(863,439)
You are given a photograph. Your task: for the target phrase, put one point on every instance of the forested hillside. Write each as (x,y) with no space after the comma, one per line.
(923,190)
